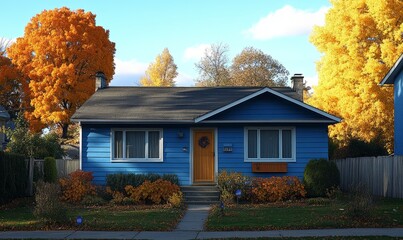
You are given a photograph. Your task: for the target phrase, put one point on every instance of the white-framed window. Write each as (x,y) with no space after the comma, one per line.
(270,144)
(137,145)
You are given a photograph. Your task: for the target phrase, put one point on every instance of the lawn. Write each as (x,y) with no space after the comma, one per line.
(301,215)
(106,218)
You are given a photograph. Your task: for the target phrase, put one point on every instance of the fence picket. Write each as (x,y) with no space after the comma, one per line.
(383,175)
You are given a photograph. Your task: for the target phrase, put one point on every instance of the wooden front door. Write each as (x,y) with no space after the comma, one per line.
(203,156)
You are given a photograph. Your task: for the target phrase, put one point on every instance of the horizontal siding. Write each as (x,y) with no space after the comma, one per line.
(267,107)
(311,143)
(96,155)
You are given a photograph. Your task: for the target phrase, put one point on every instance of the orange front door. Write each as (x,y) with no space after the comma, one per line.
(203,156)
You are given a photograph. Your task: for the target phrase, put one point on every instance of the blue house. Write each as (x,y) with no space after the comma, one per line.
(4,117)
(196,132)
(395,77)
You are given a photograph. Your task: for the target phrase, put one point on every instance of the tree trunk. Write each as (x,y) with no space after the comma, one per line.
(65,127)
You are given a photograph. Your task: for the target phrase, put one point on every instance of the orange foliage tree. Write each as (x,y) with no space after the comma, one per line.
(360,41)
(59,54)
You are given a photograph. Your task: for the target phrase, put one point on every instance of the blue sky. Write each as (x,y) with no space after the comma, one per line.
(142,29)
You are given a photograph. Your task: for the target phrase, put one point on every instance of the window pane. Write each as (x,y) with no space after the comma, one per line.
(135,144)
(118,144)
(154,144)
(287,144)
(252,143)
(269,143)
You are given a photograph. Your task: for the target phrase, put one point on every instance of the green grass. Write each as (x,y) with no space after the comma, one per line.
(386,213)
(104,218)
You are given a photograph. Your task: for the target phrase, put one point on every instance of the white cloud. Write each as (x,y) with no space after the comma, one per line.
(184,80)
(195,52)
(129,67)
(287,21)
(128,73)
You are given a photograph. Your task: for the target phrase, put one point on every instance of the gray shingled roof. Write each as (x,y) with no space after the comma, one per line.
(3,113)
(161,103)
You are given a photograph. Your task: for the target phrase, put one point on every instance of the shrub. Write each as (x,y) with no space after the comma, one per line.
(118,181)
(275,189)
(48,207)
(50,170)
(13,176)
(319,175)
(361,203)
(76,186)
(228,183)
(152,192)
(93,200)
(358,148)
(176,199)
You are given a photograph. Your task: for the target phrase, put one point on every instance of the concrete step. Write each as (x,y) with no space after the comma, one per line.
(202,198)
(201,202)
(201,195)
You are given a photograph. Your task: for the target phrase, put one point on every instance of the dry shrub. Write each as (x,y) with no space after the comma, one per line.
(277,189)
(48,207)
(157,192)
(176,200)
(76,186)
(229,182)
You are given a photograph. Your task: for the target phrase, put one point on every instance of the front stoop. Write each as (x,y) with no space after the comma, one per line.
(201,195)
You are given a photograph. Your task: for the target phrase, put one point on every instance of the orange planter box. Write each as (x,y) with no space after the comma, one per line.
(269,167)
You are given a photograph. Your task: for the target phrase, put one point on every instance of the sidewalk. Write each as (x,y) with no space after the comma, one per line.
(179,235)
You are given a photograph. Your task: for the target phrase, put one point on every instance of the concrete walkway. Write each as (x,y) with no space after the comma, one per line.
(179,235)
(194,219)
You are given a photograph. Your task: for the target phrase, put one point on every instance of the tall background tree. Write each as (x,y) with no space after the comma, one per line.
(59,54)
(213,66)
(251,67)
(162,72)
(360,42)
(10,91)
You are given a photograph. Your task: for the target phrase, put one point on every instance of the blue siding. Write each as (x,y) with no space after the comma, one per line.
(267,107)
(96,155)
(312,142)
(399,114)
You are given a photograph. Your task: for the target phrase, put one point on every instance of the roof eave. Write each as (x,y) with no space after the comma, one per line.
(129,121)
(391,75)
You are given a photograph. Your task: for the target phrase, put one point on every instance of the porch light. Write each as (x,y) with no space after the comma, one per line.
(181,134)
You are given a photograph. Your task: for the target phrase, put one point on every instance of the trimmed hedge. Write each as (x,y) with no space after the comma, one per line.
(320,175)
(50,170)
(13,176)
(118,181)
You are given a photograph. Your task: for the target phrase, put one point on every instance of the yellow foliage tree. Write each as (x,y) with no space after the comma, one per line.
(162,72)
(360,41)
(59,54)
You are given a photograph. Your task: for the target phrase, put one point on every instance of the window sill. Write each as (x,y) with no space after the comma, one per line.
(136,160)
(270,160)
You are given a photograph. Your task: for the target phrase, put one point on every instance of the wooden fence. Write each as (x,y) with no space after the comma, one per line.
(63,166)
(383,176)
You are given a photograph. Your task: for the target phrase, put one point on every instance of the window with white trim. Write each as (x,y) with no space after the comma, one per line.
(264,144)
(137,145)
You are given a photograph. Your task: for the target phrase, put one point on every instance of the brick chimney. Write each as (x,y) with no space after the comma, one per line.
(100,81)
(298,85)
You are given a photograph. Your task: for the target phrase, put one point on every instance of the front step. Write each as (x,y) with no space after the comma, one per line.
(201,195)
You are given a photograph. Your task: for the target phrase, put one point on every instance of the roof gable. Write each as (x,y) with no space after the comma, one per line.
(393,72)
(305,109)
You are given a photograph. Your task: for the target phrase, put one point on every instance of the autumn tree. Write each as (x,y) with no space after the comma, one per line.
(213,66)
(162,72)
(59,54)
(360,41)
(10,91)
(252,67)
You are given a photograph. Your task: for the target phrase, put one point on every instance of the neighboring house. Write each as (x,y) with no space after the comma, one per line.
(395,77)
(196,132)
(4,117)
